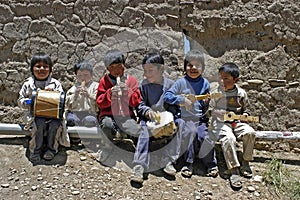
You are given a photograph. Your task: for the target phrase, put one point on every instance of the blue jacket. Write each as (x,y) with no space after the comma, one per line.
(151,100)
(187,85)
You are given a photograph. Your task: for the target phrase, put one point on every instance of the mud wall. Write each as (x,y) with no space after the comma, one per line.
(262,37)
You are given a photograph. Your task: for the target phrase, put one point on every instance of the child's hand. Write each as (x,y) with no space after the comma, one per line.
(27,102)
(84,92)
(116,92)
(150,114)
(187,104)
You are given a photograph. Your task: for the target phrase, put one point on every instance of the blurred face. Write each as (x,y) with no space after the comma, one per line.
(152,73)
(84,75)
(116,69)
(194,69)
(41,71)
(226,81)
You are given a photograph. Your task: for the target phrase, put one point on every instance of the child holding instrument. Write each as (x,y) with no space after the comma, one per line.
(80,106)
(152,89)
(117,95)
(41,79)
(234,100)
(193,112)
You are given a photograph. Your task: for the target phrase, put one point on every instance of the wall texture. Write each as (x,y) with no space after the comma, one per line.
(262,37)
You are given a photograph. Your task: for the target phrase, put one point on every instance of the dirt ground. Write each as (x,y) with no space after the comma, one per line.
(74,174)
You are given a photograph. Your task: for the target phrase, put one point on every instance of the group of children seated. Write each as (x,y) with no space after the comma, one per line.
(119,97)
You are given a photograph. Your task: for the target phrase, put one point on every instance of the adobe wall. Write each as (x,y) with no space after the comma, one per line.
(261,37)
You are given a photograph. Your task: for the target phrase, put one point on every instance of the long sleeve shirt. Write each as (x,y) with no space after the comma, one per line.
(31,85)
(235,100)
(126,102)
(187,85)
(82,102)
(152,98)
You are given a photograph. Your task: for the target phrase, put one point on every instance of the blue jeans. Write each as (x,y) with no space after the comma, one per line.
(169,153)
(196,137)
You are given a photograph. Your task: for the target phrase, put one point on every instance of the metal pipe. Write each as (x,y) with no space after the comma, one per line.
(74,131)
(95,132)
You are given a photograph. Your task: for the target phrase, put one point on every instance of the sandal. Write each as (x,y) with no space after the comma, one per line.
(246,171)
(187,171)
(35,158)
(212,172)
(235,181)
(48,155)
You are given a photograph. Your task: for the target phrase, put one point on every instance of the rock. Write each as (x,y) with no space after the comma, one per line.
(5,185)
(76,192)
(294,84)
(175,188)
(256,194)
(83,158)
(277,83)
(255,82)
(258,178)
(250,189)
(33,188)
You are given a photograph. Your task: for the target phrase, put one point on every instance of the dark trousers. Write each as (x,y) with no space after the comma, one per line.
(43,125)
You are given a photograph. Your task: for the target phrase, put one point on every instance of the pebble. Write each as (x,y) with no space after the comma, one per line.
(250,189)
(76,192)
(33,188)
(175,188)
(256,194)
(83,158)
(5,185)
(258,178)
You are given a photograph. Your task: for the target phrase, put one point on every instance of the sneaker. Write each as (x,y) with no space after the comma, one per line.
(48,155)
(137,175)
(34,158)
(169,169)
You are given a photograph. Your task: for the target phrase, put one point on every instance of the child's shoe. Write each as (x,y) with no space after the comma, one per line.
(169,169)
(35,158)
(187,170)
(137,175)
(48,155)
(213,172)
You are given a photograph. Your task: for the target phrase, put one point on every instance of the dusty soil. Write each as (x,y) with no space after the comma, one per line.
(74,174)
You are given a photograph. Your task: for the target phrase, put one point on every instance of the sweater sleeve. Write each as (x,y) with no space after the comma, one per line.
(134,93)
(103,97)
(173,96)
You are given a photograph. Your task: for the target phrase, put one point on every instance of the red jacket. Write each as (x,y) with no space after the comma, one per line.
(128,101)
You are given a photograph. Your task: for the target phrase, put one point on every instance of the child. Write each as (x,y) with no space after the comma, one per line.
(193,113)
(235,100)
(152,89)
(117,95)
(80,103)
(41,68)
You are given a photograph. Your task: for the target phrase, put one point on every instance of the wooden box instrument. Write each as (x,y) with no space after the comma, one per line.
(48,104)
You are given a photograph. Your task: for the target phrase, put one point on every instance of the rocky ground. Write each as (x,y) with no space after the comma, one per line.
(74,174)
